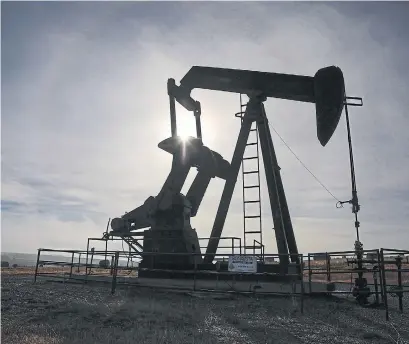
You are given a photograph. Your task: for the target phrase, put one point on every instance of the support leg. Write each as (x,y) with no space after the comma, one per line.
(271,170)
(284,212)
(227,194)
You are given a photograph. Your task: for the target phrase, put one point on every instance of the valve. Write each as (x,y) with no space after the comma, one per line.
(360,291)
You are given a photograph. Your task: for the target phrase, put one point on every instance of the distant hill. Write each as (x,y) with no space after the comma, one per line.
(29,259)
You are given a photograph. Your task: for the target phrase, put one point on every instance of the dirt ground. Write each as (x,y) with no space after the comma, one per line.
(48,312)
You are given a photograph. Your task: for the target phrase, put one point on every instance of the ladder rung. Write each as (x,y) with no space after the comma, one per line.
(251,186)
(252,144)
(252,201)
(252,216)
(247,247)
(250,158)
(255,129)
(252,232)
(251,172)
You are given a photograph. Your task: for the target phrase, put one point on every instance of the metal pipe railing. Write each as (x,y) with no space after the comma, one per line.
(380,270)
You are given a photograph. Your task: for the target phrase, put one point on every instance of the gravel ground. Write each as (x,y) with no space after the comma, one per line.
(69,313)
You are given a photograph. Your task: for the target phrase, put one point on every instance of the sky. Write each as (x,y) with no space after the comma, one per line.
(84,105)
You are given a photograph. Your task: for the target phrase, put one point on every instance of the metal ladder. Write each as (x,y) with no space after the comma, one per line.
(252,224)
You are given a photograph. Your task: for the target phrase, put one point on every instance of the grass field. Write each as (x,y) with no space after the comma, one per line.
(69,313)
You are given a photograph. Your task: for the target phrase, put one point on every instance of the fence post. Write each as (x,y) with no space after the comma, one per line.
(112,265)
(380,275)
(328,267)
(92,259)
(113,288)
(194,275)
(72,264)
(385,291)
(400,293)
(86,259)
(309,273)
(79,263)
(106,244)
(302,284)
(38,260)
(217,273)
(375,280)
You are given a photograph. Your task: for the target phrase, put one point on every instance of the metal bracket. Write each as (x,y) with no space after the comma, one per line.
(358,99)
(182,96)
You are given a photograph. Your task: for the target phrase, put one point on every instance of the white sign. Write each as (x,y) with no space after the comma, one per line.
(243,264)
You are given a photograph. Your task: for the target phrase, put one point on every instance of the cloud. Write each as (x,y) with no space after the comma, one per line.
(85,105)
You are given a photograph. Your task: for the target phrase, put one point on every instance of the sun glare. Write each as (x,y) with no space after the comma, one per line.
(186,127)
(184,138)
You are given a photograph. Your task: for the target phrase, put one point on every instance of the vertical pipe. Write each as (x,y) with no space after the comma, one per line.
(198,127)
(172,107)
(38,260)
(232,245)
(355,205)
(197,114)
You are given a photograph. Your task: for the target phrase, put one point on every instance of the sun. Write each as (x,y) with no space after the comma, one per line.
(184,138)
(186,127)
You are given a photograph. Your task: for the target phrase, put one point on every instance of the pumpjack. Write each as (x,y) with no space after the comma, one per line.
(165,218)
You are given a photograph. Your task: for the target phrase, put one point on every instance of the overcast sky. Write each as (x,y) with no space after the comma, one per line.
(84,105)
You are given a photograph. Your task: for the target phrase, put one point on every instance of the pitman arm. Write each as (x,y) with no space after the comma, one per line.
(212,165)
